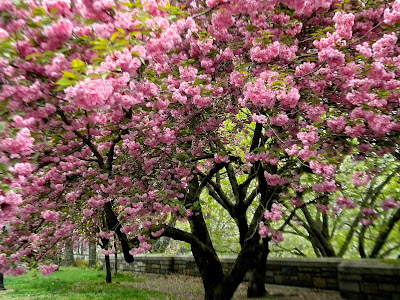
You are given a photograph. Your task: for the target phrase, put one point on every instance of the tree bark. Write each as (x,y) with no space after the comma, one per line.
(108,269)
(256,287)
(2,288)
(69,255)
(115,258)
(92,254)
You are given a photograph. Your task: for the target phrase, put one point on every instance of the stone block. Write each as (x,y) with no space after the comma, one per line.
(305,276)
(319,282)
(369,288)
(349,286)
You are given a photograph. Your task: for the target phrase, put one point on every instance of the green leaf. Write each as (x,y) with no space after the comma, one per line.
(114,36)
(65,82)
(2,127)
(78,65)
(68,74)
(39,11)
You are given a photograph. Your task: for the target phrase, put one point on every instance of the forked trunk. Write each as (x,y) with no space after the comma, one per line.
(256,287)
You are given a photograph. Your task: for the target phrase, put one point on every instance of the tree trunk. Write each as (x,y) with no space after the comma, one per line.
(256,287)
(2,288)
(92,254)
(108,268)
(115,258)
(69,255)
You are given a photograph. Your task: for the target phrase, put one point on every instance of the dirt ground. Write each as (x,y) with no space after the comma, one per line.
(190,288)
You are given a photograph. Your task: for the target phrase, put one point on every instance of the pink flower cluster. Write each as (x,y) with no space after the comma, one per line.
(343,24)
(345,202)
(90,93)
(384,46)
(324,169)
(264,231)
(48,269)
(259,94)
(57,33)
(22,145)
(325,186)
(390,203)
(309,137)
(392,16)
(9,207)
(336,124)
(280,120)
(275,214)
(51,216)
(108,252)
(259,118)
(360,178)
(274,179)
(23,169)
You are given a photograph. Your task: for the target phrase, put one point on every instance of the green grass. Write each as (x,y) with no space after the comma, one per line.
(75,283)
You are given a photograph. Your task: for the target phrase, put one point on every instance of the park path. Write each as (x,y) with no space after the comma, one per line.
(190,288)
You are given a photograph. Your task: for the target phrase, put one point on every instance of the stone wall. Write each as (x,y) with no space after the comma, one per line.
(355,279)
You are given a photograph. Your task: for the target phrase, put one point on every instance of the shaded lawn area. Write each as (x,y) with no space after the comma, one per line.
(75,283)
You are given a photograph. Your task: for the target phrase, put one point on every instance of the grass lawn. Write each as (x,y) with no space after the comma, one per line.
(76,284)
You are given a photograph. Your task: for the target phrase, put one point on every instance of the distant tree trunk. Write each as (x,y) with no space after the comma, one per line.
(108,268)
(2,288)
(69,255)
(92,254)
(115,258)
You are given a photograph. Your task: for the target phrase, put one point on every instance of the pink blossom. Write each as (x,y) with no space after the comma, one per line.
(366,222)
(108,252)
(158,233)
(274,179)
(51,216)
(264,230)
(323,208)
(381,124)
(360,178)
(90,93)
(48,269)
(332,57)
(289,100)
(277,237)
(60,31)
(106,235)
(3,34)
(297,202)
(9,207)
(343,24)
(275,214)
(345,203)
(392,16)
(390,203)
(22,144)
(308,138)
(280,120)
(259,118)
(23,169)
(88,212)
(337,124)
(384,46)
(325,186)
(368,211)
(219,159)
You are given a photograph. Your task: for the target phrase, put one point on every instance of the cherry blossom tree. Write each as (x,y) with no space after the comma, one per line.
(116,115)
